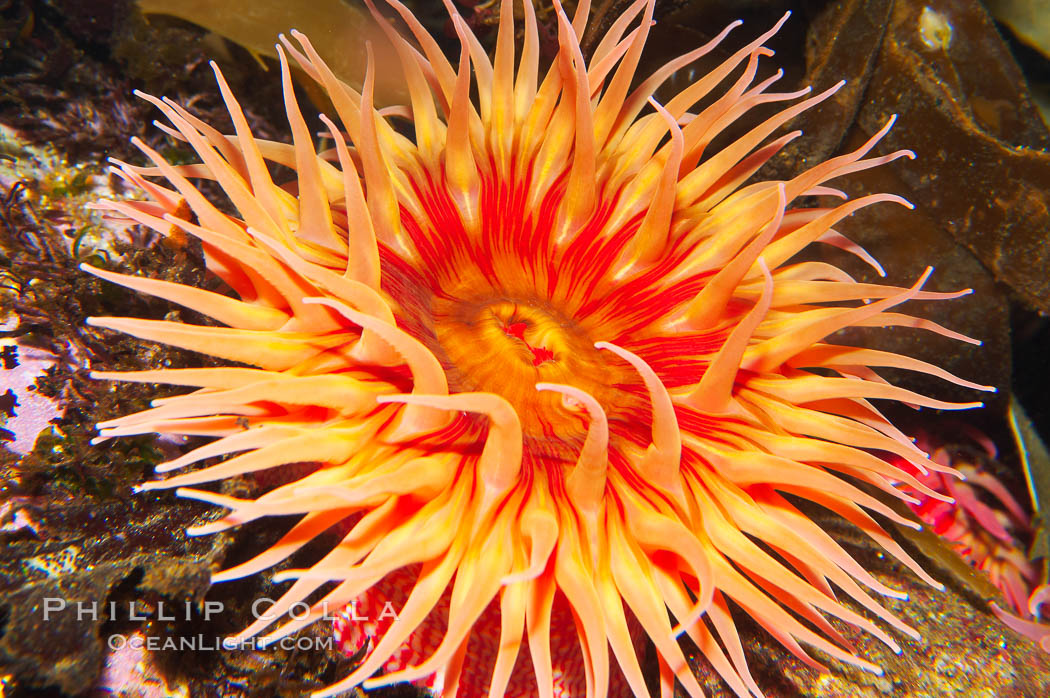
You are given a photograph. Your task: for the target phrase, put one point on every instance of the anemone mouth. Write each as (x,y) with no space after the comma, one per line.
(506,346)
(492,304)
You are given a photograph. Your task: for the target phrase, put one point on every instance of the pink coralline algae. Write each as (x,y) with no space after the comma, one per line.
(24,412)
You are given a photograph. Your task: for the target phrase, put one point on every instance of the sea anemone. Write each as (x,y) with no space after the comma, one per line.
(549,351)
(1026,622)
(987,527)
(983,522)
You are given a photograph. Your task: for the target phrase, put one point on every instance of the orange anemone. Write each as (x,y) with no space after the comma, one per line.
(552,346)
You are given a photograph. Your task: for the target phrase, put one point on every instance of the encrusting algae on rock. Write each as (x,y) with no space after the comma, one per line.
(551,355)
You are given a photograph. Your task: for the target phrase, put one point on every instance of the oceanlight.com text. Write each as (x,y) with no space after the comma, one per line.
(210,643)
